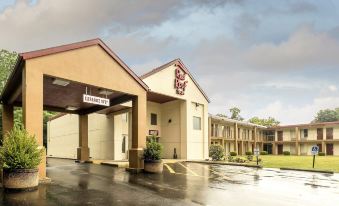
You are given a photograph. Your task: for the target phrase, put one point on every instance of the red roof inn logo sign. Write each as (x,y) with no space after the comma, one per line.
(179,82)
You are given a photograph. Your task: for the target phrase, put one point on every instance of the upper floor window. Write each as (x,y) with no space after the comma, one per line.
(280,135)
(154,119)
(329,133)
(305,133)
(196,123)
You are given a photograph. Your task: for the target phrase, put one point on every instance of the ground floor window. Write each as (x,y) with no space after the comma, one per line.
(197,123)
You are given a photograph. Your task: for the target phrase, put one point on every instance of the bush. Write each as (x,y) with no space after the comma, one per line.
(153,150)
(249,157)
(287,153)
(216,152)
(239,160)
(230,158)
(263,153)
(20,150)
(321,154)
(233,154)
(248,153)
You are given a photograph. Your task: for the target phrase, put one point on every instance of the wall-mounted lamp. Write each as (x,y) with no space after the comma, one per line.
(60,82)
(170,120)
(105,92)
(72,108)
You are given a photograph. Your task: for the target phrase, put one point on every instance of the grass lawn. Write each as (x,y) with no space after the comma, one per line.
(301,162)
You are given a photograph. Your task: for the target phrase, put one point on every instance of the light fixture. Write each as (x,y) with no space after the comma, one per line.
(61,82)
(105,92)
(72,108)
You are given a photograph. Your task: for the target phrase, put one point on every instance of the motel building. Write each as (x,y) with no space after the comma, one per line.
(176,113)
(240,136)
(105,111)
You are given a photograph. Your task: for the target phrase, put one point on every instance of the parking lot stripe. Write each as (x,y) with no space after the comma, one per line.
(188,169)
(170,169)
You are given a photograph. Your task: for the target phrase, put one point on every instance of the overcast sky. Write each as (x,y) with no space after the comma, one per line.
(269,58)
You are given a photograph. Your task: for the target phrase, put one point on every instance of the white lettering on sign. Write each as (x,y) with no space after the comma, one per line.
(95,100)
(179,82)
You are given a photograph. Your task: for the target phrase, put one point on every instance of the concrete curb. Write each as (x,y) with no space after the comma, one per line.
(109,164)
(225,163)
(307,170)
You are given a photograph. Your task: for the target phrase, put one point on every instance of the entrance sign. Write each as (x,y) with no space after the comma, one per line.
(95,100)
(256,151)
(179,82)
(314,150)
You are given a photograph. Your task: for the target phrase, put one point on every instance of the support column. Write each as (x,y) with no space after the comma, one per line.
(136,162)
(297,141)
(274,148)
(7,118)
(32,110)
(209,132)
(236,137)
(83,150)
(255,137)
(242,148)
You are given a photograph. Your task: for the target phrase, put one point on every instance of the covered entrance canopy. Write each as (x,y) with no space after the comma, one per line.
(55,79)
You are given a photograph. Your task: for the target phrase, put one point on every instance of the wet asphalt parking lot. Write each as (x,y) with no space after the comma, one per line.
(180,184)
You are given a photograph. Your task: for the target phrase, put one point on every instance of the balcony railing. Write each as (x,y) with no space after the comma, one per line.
(269,139)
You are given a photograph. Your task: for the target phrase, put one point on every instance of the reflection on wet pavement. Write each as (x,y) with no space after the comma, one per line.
(180,184)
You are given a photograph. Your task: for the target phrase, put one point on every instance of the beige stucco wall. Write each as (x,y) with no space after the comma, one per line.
(104,134)
(163,82)
(153,107)
(63,142)
(170,124)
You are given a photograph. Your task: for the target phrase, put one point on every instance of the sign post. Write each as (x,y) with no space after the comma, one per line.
(256,153)
(314,152)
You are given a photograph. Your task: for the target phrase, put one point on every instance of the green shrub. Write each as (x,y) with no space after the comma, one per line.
(249,157)
(321,154)
(248,153)
(20,150)
(263,153)
(153,150)
(230,158)
(216,152)
(233,154)
(239,160)
(287,153)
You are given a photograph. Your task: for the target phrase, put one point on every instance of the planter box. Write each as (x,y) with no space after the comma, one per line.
(153,166)
(21,179)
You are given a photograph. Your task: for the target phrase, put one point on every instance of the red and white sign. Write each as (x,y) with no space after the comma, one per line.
(180,83)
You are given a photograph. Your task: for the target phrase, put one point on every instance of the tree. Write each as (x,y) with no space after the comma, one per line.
(269,122)
(327,115)
(7,63)
(235,111)
(222,115)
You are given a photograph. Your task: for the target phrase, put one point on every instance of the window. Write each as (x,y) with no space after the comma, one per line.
(305,133)
(154,119)
(329,133)
(196,123)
